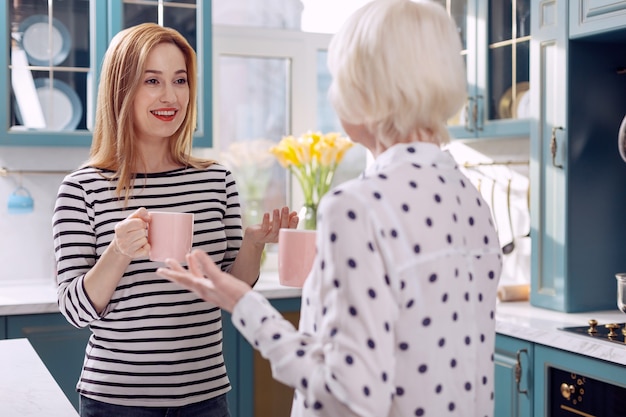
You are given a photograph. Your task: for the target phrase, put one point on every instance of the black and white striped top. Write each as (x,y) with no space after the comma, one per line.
(155,344)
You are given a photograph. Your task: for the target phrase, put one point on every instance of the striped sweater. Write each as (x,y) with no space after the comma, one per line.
(155,344)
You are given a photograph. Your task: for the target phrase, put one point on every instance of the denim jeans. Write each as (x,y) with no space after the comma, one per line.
(215,407)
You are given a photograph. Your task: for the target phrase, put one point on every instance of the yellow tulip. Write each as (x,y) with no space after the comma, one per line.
(312,158)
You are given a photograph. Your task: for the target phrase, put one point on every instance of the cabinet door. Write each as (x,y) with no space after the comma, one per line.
(48,55)
(496,40)
(255,392)
(592,17)
(60,346)
(193,20)
(513,387)
(548,134)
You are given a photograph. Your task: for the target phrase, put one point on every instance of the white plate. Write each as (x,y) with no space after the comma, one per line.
(60,104)
(621,139)
(43,43)
(521,106)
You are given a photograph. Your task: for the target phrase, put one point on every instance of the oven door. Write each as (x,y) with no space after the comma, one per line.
(573,394)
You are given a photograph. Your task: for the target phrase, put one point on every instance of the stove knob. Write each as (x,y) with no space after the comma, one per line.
(592,326)
(612,327)
(567,390)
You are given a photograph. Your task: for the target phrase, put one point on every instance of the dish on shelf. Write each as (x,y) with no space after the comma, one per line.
(621,139)
(44,43)
(508,108)
(521,106)
(60,104)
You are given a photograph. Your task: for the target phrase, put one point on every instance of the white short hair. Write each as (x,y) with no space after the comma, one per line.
(397,69)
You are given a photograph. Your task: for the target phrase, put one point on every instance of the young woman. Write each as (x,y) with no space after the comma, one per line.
(156,348)
(398,313)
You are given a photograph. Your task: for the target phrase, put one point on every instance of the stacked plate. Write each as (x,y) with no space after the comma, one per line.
(47,42)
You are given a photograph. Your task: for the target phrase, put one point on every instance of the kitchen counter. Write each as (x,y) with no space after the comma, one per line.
(26,387)
(515,319)
(41,297)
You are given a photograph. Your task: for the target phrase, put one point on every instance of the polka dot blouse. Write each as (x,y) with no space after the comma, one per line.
(398,313)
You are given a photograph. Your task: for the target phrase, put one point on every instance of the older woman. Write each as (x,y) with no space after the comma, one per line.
(397,314)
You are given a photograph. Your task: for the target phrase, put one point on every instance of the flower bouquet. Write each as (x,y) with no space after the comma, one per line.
(312,158)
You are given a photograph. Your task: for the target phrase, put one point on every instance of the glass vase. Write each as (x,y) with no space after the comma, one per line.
(308,216)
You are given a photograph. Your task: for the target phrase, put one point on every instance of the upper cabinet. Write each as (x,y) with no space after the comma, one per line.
(578,177)
(592,17)
(52,51)
(47,56)
(496,40)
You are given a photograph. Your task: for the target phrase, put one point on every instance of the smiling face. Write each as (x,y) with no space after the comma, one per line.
(163,95)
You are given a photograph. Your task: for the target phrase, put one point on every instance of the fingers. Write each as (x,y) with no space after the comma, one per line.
(131,238)
(293,220)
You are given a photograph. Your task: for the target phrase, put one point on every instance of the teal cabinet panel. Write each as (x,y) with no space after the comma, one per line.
(594,17)
(575,166)
(60,346)
(3,328)
(549,50)
(513,377)
(254,391)
(578,372)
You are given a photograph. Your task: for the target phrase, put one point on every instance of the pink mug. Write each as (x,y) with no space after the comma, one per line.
(296,252)
(170,235)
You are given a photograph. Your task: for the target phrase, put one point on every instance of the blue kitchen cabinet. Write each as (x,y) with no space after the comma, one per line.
(568,384)
(60,346)
(578,178)
(3,328)
(513,377)
(593,17)
(254,391)
(51,92)
(495,36)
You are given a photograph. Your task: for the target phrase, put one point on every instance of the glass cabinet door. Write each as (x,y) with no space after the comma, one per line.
(187,17)
(508,59)
(49,65)
(495,36)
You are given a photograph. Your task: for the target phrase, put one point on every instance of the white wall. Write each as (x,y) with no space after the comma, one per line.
(26,247)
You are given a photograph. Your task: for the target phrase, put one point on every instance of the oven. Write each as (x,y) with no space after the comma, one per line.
(571,394)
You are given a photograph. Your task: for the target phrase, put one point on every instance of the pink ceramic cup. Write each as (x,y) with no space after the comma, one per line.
(170,235)
(296,252)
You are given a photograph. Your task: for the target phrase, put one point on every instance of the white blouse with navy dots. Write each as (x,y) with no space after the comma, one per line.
(398,313)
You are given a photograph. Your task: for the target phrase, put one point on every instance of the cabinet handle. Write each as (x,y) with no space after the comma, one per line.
(518,371)
(478,118)
(553,147)
(470,114)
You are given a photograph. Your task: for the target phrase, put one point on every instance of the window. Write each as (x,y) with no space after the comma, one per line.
(269,80)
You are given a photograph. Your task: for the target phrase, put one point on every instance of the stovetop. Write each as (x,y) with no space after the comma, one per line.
(610,332)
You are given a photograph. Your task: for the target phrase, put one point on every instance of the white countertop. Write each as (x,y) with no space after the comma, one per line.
(41,296)
(516,319)
(539,325)
(26,387)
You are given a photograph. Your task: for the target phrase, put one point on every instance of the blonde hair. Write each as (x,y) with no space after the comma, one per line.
(113,147)
(397,70)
